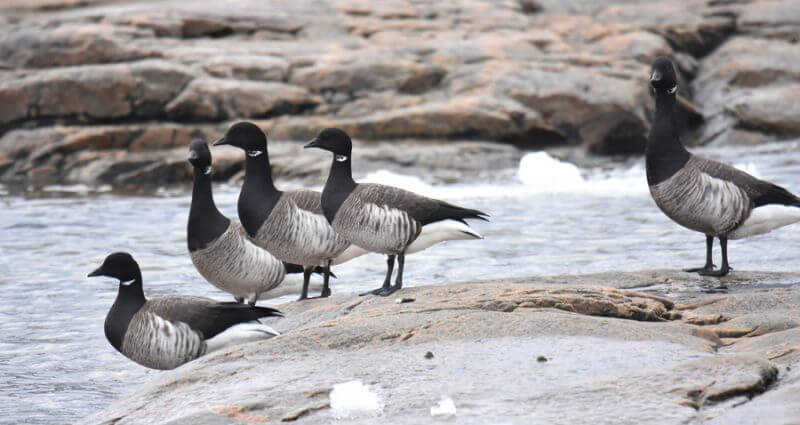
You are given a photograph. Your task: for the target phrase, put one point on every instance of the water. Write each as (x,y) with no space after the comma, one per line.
(546,218)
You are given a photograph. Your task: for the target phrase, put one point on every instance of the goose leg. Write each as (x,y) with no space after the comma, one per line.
(326,290)
(386,282)
(306,277)
(725,269)
(709,261)
(398,283)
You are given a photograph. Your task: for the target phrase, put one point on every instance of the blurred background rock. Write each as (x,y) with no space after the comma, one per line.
(105,92)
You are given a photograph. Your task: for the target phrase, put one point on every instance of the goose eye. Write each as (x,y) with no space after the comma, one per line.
(341,158)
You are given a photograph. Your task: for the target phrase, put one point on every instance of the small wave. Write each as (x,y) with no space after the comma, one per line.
(538,174)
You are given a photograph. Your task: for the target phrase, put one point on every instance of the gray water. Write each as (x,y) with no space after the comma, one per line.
(56,366)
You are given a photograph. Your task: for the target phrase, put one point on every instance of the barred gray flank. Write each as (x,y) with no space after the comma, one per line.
(234,264)
(159,343)
(368,222)
(297,232)
(698,198)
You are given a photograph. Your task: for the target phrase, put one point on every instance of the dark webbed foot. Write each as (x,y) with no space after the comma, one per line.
(302,297)
(389,291)
(716,273)
(707,268)
(239,300)
(326,292)
(374,291)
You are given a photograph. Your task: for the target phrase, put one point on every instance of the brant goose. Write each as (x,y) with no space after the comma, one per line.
(220,249)
(164,333)
(382,218)
(288,224)
(704,195)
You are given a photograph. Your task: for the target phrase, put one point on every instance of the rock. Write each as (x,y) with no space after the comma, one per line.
(771,19)
(535,74)
(70,44)
(213,99)
(248,67)
(749,85)
(367,76)
(98,92)
(670,375)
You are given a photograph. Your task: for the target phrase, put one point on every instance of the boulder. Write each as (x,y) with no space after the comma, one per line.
(214,99)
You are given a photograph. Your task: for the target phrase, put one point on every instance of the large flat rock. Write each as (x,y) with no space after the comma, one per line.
(561,349)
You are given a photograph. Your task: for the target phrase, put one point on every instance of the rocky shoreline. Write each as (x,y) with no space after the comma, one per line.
(650,346)
(111,93)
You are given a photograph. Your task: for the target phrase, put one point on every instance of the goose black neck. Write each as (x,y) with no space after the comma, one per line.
(665,154)
(206,223)
(132,293)
(338,187)
(259,194)
(130,298)
(258,173)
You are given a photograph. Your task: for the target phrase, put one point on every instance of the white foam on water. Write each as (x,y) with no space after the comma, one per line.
(537,174)
(410,183)
(76,188)
(354,397)
(445,407)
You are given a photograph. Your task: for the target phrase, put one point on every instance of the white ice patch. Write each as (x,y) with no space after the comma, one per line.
(353,397)
(445,407)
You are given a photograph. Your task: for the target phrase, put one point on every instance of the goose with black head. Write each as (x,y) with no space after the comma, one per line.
(703,195)
(385,219)
(164,333)
(288,224)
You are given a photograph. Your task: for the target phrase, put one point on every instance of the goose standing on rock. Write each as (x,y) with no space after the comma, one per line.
(385,219)
(164,333)
(704,195)
(220,248)
(288,224)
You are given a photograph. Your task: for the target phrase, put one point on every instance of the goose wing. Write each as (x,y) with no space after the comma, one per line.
(759,191)
(205,315)
(423,209)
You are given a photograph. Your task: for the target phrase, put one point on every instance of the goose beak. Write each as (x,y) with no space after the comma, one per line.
(314,143)
(221,141)
(98,272)
(655,77)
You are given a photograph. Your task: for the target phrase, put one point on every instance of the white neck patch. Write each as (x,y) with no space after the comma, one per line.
(208,170)
(127,282)
(673,90)
(253,154)
(341,158)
